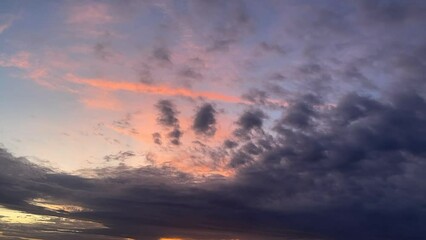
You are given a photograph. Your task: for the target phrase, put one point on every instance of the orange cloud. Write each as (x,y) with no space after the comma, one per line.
(101,103)
(158,89)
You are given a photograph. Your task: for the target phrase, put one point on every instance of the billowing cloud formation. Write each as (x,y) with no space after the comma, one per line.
(301,113)
(250,120)
(205,120)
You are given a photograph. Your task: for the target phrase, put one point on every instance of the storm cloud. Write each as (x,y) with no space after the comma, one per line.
(205,120)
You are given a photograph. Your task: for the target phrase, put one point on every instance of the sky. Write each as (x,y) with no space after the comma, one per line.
(213,120)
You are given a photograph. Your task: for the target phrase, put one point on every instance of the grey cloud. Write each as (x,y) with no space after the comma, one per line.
(190,73)
(387,11)
(167,113)
(256,96)
(230,144)
(205,120)
(221,45)
(175,136)
(252,149)
(125,123)
(250,120)
(301,113)
(162,55)
(120,156)
(230,26)
(268,47)
(101,51)
(145,73)
(157,138)
(277,77)
(168,117)
(240,158)
(312,68)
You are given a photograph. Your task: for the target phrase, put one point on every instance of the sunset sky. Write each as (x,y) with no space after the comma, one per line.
(213,120)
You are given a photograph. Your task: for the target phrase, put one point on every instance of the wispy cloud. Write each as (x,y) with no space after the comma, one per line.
(152,89)
(5,22)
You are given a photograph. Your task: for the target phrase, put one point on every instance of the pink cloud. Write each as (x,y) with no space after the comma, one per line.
(19,60)
(90,13)
(102,103)
(158,89)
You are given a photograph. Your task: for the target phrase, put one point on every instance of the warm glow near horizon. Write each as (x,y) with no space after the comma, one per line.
(19,217)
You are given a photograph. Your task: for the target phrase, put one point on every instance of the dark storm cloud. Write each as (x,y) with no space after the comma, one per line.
(355,163)
(411,68)
(300,113)
(251,119)
(230,144)
(168,118)
(240,158)
(353,107)
(144,203)
(17,170)
(167,113)
(252,149)
(205,120)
